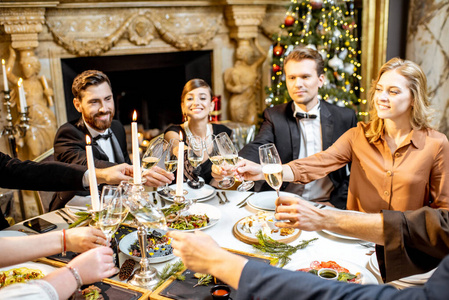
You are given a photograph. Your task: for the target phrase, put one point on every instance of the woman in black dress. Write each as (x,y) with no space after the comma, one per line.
(196,105)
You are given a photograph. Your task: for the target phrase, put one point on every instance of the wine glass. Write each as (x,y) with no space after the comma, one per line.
(148,216)
(154,153)
(111,216)
(229,156)
(195,155)
(271,166)
(171,164)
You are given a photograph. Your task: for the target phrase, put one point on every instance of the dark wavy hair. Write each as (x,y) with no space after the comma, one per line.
(87,78)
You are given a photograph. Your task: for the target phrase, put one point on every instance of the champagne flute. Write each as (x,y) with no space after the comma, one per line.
(195,155)
(154,153)
(229,156)
(171,164)
(271,166)
(111,216)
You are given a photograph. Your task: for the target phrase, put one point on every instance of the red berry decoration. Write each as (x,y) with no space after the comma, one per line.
(278,50)
(276,68)
(289,21)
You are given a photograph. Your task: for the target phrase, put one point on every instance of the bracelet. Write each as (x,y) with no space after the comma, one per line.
(63,243)
(77,276)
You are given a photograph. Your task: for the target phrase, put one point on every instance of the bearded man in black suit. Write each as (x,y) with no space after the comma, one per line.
(305,126)
(93,98)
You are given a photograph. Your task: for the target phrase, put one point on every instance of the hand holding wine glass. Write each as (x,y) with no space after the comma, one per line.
(223,153)
(271,166)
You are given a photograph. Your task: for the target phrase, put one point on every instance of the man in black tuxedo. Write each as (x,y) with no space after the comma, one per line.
(93,98)
(304,127)
(52,176)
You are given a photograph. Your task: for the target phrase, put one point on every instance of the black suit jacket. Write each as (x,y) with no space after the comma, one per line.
(46,176)
(281,128)
(70,147)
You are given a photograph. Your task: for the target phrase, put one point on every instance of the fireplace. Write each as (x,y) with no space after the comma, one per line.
(149,83)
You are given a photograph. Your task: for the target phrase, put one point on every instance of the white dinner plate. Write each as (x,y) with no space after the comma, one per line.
(131,238)
(205,193)
(10,233)
(341,236)
(212,212)
(367,276)
(266,200)
(413,280)
(79,203)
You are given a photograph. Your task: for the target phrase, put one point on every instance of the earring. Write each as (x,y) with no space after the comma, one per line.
(210,118)
(185,118)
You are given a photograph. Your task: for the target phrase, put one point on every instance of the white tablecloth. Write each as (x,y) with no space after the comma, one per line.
(326,247)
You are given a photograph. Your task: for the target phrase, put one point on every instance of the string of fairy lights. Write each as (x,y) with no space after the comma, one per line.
(327,26)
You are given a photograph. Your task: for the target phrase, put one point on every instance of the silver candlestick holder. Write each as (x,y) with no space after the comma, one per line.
(11,130)
(148,216)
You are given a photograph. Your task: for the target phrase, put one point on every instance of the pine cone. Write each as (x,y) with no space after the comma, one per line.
(127,269)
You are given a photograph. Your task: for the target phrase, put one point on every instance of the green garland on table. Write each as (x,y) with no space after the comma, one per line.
(204,279)
(170,270)
(280,252)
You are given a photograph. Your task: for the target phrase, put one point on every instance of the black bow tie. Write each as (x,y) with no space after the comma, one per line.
(103,136)
(300,115)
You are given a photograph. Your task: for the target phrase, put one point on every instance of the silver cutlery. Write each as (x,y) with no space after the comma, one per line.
(243,202)
(223,194)
(64,217)
(220,200)
(367,244)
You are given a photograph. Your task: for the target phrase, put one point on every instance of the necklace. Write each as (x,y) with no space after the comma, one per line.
(189,132)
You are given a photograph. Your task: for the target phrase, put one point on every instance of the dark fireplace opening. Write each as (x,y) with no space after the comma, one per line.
(149,83)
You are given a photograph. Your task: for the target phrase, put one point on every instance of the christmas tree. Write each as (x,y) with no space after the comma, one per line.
(328,26)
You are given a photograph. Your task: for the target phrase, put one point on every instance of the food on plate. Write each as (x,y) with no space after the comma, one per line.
(17,275)
(126,269)
(158,245)
(92,293)
(287,231)
(187,222)
(343,273)
(263,221)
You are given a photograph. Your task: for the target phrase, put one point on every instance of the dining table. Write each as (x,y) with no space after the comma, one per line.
(347,251)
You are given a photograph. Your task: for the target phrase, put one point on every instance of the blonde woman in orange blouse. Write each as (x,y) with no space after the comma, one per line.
(398,161)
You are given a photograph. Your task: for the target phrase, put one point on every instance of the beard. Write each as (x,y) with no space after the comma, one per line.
(97,124)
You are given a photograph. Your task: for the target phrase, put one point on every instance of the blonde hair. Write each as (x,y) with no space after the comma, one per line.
(417,83)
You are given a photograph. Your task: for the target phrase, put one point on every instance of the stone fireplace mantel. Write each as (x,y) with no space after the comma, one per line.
(55,30)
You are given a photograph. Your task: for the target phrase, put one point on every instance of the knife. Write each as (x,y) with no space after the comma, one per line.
(220,200)
(244,200)
(67,220)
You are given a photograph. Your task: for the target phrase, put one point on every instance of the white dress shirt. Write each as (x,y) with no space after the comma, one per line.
(105,145)
(311,142)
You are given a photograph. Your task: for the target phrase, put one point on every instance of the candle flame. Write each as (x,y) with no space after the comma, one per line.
(134,116)
(180,136)
(3,62)
(19,83)
(87,139)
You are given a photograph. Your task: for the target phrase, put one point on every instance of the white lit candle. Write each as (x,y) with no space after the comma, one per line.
(22,99)
(180,170)
(136,155)
(5,80)
(92,176)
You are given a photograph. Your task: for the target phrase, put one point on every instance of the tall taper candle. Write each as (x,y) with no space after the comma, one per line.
(22,99)
(5,79)
(92,176)
(136,154)
(180,170)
